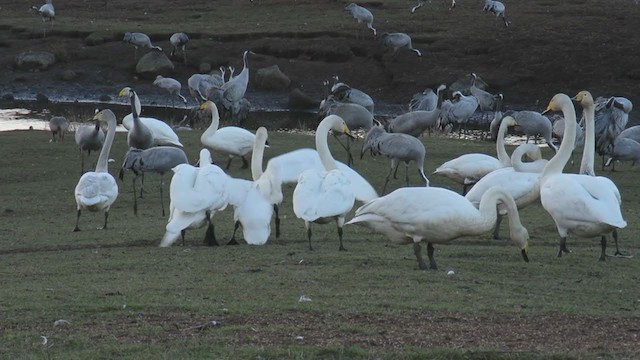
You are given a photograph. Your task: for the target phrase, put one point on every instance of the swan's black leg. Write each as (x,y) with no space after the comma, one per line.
(432,261)
(77,228)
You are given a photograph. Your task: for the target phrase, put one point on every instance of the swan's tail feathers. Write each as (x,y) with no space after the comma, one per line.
(364,218)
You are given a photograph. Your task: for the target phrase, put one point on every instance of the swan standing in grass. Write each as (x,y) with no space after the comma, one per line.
(436,215)
(286,169)
(582,205)
(323,196)
(161,133)
(88,138)
(98,190)
(196,193)
(229,140)
(467,169)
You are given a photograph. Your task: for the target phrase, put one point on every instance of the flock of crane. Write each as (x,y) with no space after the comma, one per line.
(326,190)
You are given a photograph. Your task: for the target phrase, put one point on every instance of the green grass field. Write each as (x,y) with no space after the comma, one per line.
(124,297)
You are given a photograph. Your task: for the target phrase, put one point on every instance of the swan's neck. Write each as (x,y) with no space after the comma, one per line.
(257,159)
(503,157)
(588,153)
(322,146)
(215,122)
(489,210)
(560,159)
(103,160)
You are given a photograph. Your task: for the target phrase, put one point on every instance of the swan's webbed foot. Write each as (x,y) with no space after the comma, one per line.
(76,229)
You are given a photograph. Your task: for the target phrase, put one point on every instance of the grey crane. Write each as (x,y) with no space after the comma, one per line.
(139,136)
(497,8)
(47,12)
(362,14)
(612,115)
(138,39)
(414,123)
(171,85)
(201,85)
(354,115)
(88,138)
(426,100)
(159,159)
(179,40)
(398,41)
(398,147)
(486,100)
(532,123)
(420,4)
(346,93)
(458,112)
(58,126)
(233,91)
(624,149)
(632,132)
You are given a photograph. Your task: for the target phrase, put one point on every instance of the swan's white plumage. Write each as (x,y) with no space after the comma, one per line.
(229,140)
(97,190)
(582,205)
(522,186)
(435,215)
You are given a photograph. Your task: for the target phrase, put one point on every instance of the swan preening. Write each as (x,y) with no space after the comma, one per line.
(97,190)
(437,215)
(582,205)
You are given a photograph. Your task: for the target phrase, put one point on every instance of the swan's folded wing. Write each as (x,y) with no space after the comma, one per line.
(361,188)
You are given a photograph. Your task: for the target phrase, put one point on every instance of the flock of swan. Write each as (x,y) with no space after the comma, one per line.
(326,190)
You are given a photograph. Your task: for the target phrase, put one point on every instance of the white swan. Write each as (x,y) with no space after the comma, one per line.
(160,131)
(286,169)
(437,215)
(229,140)
(98,190)
(323,196)
(582,205)
(534,153)
(196,193)
(467,169)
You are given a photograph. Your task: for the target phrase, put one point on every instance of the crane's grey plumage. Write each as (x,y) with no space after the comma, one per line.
(233,91)
(139,136)
(458,111)
(497,8)
(159,159)
(612,115)
(414,123)
(420,4)
(89,138)
(532,123)
(346,93)
(171,85)
(486,100)
(397,41)
(47,12)
(58,126)
(138,39)
(632,132)
(179,40)
(354,115)
(397,147)
(497,117)
(201,85)
(426,100)
(624,149)
(363,15)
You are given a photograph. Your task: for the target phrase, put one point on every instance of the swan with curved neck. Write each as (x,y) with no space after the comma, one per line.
(583,205)
(324,196)
(230,140)
(98,190)
(533,152)
(468,169)
(437,215)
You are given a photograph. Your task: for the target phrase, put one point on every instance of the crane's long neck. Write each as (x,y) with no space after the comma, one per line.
(560,159)
(257,157)
(103,159)
(588,153)
(440,93)
(503,157)
(322,146)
